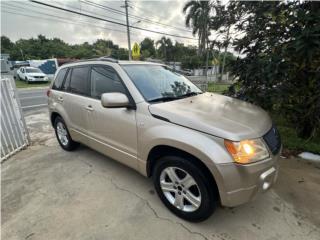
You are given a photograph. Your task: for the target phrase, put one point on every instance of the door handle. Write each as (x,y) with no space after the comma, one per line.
(89,108)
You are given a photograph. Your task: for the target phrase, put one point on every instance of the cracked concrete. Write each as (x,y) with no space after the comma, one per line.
(48,193)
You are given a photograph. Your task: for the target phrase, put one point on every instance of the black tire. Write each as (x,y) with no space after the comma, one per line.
(71,145)
(26,79)
(208,194)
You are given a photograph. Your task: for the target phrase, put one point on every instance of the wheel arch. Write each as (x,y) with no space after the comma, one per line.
(164,150)
(53,117)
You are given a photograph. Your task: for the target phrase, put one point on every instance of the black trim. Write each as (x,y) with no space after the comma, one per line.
(161,118)
(273,140)
(167,120)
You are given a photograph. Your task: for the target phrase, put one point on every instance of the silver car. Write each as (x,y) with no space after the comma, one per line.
(201,149)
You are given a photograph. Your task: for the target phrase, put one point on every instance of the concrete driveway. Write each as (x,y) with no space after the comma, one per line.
(48,193)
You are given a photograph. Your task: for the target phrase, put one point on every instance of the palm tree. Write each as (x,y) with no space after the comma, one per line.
(198,17)
(165,45)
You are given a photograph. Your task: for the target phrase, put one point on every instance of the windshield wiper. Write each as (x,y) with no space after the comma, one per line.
(163,99)
(190,94)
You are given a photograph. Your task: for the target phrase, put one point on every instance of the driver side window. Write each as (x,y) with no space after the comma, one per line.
(105,80)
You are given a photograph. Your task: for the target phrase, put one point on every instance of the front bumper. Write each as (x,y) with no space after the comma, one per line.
(37,80)
(242,183)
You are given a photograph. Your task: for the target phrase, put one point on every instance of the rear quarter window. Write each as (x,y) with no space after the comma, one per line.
(59,79)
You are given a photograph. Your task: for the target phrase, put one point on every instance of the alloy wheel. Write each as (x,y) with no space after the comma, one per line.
(180,189)
(62,133)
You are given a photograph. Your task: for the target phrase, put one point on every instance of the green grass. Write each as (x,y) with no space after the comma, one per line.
(24,84)
(217,87)
(291,141)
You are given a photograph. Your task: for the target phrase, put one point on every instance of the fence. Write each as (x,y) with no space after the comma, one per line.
(14,132)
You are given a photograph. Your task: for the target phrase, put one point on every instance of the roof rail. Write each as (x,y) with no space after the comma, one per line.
(109,59)
(95,59)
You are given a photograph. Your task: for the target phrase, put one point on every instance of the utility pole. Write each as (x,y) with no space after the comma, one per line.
(128,29)
(22,54)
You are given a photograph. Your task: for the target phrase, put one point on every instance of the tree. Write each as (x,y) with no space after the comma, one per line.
(103,47)
(279,69)
(6,45)
(147,48)
(165,47)
(198,17)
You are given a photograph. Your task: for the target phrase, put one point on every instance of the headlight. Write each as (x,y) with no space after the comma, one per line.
(247,151)
(46,78)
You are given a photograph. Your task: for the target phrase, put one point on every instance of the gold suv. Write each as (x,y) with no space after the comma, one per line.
(200,148)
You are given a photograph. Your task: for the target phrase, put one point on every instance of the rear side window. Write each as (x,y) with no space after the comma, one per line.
(66,84)
(59,79)
(79,80)
(104,80)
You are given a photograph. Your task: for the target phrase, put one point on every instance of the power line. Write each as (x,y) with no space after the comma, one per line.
(110,21)
(55,18)
(116,11)
(43,13)
(58,20)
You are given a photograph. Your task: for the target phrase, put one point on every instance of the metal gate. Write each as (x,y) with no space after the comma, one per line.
(14,132)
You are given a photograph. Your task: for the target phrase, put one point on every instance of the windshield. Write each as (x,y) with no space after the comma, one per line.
(33,70)
(157,82)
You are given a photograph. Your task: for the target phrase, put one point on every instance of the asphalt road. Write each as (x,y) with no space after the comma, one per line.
(32,99)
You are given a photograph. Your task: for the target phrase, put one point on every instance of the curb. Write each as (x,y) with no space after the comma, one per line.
(33,88)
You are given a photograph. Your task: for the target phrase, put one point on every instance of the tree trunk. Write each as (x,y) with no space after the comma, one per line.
(225,52)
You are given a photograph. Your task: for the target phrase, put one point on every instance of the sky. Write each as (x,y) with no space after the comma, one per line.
(24,19)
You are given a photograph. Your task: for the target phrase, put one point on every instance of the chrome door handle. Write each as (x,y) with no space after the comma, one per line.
(89,108)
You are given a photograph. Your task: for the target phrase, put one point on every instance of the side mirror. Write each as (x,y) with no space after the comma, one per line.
(114,100)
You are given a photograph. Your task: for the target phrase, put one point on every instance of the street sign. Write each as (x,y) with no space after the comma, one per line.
(215,61)
(136,51)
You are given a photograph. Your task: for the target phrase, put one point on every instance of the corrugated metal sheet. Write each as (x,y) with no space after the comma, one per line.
(14,132)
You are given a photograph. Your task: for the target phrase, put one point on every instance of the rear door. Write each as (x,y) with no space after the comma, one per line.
(76,98)
(55,99)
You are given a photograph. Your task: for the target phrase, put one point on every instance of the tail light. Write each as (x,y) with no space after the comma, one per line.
(48,92)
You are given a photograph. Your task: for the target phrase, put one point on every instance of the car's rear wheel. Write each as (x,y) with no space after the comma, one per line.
(63,135)
(184,188)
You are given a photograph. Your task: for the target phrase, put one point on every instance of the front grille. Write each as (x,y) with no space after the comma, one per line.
(38,77)
(273,140)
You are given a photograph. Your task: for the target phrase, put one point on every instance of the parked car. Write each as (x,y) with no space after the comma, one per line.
(31,74)
(199,148)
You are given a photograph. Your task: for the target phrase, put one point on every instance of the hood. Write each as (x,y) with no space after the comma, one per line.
(216,115)
(35,74)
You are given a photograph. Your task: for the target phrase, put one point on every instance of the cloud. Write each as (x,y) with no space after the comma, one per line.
(23,19)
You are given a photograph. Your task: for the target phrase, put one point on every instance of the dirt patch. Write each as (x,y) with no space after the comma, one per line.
(299,184)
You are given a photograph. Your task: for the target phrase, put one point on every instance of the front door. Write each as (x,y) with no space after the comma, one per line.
(113,131)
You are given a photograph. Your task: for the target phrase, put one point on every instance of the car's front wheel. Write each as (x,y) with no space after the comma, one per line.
(184,188)
(63,135)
